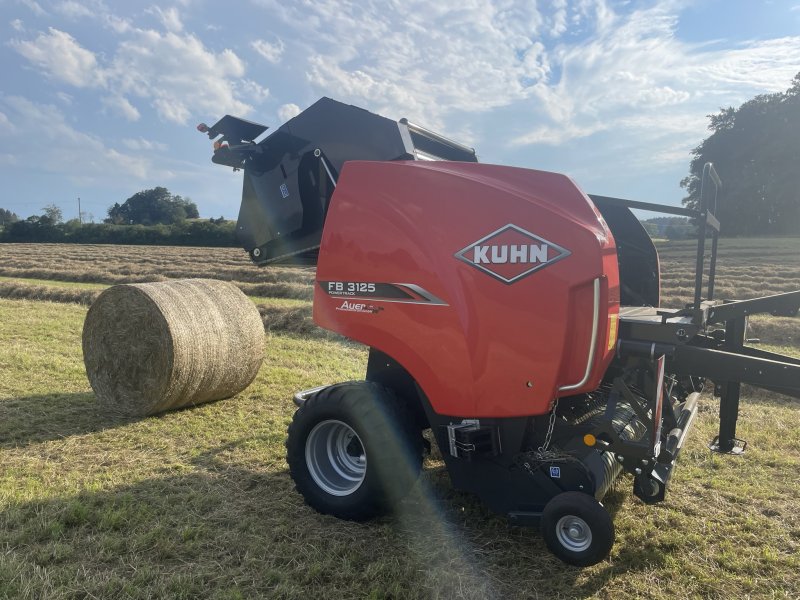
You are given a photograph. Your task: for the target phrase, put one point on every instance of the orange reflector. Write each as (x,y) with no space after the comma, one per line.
(589,439)
(613,321)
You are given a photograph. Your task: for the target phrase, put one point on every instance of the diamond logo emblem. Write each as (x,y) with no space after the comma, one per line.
(511,253)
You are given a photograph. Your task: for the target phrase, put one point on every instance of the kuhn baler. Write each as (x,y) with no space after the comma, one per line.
(506,311)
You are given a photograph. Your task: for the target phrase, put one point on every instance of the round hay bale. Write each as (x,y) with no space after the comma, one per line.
(151,347)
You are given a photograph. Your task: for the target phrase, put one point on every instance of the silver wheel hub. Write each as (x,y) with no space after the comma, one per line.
(573,533)
(335,457)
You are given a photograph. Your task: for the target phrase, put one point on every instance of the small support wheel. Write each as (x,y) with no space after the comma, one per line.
(648,490)
(353,450)
(577,529)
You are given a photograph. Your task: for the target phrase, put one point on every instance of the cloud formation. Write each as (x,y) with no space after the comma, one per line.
(271,52)
(572,85)
(62,58)
(560,71)
(288,111)
(172,72)
(50,143)
(119,106)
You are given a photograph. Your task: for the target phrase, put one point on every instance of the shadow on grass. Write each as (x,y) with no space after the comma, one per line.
(34,419)
(225,531)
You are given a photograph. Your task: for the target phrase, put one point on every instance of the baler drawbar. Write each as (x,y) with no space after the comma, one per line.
(508,313)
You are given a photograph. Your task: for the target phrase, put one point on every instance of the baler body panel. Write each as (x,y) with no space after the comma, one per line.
(482,331)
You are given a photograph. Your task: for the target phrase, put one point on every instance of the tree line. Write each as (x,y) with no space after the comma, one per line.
(756,151)
(154,216)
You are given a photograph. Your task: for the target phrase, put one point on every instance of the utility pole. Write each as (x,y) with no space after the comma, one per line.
(80,218)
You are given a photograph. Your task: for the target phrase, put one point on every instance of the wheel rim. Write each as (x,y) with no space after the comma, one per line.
(335,458)
(573,533)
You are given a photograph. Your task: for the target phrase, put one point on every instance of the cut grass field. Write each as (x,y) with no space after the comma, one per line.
(199,504)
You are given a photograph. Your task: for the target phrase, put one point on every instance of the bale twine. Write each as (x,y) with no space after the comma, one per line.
(151,347)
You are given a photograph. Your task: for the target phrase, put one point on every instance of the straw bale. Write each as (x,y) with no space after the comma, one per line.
(151,347)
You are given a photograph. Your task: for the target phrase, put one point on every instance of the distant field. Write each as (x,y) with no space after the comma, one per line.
(199,504)
(746,268)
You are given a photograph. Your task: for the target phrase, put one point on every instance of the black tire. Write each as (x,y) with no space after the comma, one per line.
(577,529)
(648,490)
(382,459)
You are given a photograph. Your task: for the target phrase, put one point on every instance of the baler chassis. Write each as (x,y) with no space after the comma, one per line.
(355,448)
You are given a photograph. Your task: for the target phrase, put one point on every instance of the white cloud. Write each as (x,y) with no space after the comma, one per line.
(96,10)
(5,124)
(555,136)
(170,18)
(288,111)
(75,10)
(64,97)
(271,52)
(121,107)
(53,145)
(634,77)
(17,25)
(559,25)
(117,24)
(251,90)
(172,109)
(60,57)
(174,72)
(143,144)
(34,7)
(178,75)
(419,59)
(567,70)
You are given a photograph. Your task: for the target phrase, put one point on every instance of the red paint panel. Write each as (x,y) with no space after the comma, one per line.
(475,353)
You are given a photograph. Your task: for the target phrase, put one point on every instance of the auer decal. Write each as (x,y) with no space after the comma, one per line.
(359,307)
(407,293)
(511,253)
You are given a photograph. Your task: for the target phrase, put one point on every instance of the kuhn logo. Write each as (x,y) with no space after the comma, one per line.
(511,253)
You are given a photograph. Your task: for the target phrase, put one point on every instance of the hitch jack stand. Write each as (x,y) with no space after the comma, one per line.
(727,442)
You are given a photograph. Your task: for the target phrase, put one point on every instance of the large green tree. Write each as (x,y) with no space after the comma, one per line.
(151,207)
(7,217)
(52,214)
(756,151)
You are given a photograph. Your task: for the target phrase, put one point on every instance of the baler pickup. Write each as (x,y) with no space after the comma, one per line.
(509,314)
(290,175)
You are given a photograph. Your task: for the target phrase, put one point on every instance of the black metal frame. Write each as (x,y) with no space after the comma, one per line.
(289,175)
(679,334)
(705,218)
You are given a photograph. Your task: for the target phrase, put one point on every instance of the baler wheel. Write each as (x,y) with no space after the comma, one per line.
(648,490)
(577,529)
(353,450)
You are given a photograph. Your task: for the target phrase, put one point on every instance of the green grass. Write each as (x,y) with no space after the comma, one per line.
(198,503)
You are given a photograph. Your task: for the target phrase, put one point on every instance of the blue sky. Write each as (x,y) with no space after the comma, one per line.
(99,100)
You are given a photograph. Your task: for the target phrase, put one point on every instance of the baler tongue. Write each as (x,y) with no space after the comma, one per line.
(290,175)
(705,340)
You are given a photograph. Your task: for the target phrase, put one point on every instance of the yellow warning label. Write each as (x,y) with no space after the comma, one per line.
(612,331)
